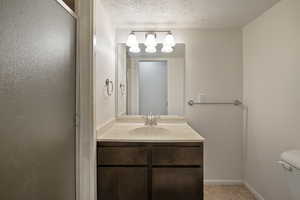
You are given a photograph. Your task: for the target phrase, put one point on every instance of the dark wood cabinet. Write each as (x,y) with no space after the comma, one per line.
(177,183)
(177,156)
(122,156)
(122,183)
(149,171)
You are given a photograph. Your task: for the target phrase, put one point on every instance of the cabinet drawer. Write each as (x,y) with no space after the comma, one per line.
(172,156)
(122,156)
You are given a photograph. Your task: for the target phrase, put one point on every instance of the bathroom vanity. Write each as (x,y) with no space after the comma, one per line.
(137,162)
(149,158)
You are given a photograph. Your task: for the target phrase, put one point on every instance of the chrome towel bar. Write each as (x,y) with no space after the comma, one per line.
(235,103)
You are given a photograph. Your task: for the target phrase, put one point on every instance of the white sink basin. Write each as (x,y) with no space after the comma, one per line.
(150,130)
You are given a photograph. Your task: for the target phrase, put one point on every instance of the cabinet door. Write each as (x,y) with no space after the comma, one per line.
(177,184)
(122,183)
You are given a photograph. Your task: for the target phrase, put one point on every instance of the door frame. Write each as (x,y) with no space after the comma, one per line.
(86,131)
(67,8)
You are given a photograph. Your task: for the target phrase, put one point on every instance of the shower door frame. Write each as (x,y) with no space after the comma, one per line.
(77,120)
(85,188)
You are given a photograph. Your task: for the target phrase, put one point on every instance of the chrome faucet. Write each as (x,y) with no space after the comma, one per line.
(151,120)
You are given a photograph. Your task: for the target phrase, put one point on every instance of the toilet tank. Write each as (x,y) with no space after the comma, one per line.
(290,162)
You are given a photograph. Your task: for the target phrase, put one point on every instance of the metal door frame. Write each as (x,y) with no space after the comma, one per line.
(85,154)
(77,115)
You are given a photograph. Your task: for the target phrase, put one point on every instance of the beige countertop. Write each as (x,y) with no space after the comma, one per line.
(138,132)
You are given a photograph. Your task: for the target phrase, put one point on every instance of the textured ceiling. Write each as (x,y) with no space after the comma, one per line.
(185,13)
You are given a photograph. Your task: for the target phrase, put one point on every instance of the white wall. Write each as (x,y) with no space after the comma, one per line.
(105,65)
(271,91)
(214,67)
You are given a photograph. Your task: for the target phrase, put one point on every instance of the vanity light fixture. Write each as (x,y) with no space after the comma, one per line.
(167,49)
(132,41)
(151,42)
(168,43)
(169,40)
(135,49)
(150,49)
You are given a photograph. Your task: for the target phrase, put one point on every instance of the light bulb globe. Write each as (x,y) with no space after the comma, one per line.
(169,40)
(150,40)
(135,49)
(131,41)
(150,50)
(167,49)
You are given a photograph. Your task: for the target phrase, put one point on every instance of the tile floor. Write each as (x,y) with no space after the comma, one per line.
(234,192)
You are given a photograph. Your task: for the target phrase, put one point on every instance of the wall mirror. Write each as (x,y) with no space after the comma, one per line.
(150,82)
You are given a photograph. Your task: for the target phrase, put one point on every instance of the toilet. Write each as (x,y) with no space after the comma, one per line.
(290,162)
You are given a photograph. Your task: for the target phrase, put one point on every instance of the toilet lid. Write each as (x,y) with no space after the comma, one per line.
(292,158)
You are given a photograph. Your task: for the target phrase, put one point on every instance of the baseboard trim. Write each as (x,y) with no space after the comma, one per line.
(222,182)
(253,191)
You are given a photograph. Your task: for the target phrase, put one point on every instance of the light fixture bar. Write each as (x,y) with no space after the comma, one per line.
(151,31)
(151,41)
